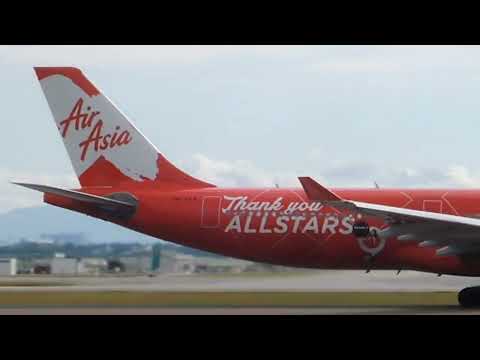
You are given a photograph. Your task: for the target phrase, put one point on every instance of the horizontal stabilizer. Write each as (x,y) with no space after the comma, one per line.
(106,203)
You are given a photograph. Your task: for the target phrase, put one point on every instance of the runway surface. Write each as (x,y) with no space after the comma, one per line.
(320,280)
(434,310)
(314,282)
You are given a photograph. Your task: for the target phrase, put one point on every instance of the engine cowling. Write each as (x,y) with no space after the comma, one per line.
(361,229)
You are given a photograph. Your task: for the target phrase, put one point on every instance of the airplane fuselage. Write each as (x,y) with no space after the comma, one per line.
(281,226)
(126,180)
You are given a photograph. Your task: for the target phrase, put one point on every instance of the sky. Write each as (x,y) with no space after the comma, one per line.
(241,116)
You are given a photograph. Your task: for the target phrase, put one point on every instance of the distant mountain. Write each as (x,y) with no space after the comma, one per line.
(32,223)
(27,250)
(49,224)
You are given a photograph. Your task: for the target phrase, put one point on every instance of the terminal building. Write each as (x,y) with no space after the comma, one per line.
(8,266)
(61,265)
(142,261)
(91,266)
(171,262)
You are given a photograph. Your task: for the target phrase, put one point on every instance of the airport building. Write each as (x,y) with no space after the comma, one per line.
(8,266)
(220,265)
(91,266)
(172,262)
(61,265)
(136,264)
(142,261)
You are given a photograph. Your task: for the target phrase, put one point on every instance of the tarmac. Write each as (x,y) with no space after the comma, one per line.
(318,280)
(313,281)
(326,310)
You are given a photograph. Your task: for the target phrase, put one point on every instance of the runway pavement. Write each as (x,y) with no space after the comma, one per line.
(294,281)
(308,281)
(434,310)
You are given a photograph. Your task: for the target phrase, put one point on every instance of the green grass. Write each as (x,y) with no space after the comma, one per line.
(225,299)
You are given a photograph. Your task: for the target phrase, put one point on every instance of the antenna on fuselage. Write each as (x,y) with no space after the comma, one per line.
(376,185)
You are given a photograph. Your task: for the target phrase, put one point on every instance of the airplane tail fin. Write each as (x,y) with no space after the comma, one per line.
(105,148)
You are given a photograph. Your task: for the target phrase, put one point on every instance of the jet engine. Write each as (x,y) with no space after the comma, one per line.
(361,229)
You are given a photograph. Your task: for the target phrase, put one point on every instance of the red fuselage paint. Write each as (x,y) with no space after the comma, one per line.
(280,226)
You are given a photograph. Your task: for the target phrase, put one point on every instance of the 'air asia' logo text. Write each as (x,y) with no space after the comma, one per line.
(79,120)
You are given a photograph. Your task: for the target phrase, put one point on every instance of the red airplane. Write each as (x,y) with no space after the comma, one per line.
(125,180)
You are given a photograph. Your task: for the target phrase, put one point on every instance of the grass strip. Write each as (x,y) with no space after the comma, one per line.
(224,299)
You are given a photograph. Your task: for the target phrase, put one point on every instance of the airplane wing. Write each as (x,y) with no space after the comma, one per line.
(121,207)
(452,234)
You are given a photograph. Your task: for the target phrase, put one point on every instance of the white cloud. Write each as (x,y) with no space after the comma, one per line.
(462,176)
(385,59)
(359,65)
(237,173)
(309,58)
(243,173)
(103,55)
